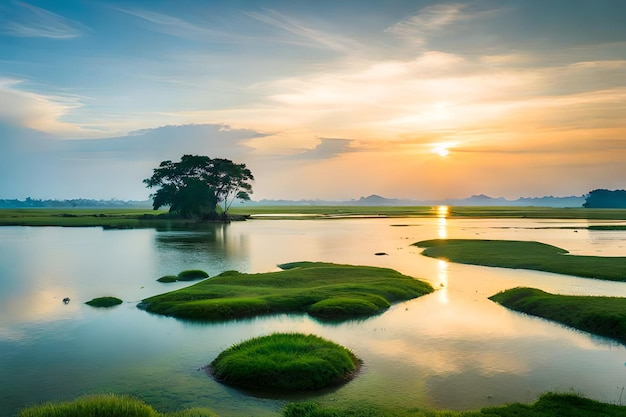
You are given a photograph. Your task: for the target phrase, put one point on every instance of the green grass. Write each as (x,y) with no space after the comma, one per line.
(104,302)
(168,278)
(138,218)
(104,405)
(285,362)
(603,316)
(525,255)
(191,275)
(548,405)
(323,290)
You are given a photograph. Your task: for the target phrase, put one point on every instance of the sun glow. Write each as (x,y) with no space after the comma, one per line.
(442,149)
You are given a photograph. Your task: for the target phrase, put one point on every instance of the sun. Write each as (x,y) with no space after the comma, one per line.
(441,149)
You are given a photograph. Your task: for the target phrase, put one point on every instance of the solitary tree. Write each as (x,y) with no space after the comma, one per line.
(195,186)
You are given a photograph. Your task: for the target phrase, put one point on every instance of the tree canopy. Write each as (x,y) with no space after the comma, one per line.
(605,199)
(197,185)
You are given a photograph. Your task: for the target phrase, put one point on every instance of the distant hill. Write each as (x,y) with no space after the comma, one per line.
(371,200)
(475,200)
(74,203)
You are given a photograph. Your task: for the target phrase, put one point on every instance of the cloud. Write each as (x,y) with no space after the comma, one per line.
(25,20)
(326,149)
(302,33)
(37,111)
(428,20)
(46,167)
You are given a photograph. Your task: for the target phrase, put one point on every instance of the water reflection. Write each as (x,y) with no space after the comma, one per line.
(442,222)
(442,291)
(450,349)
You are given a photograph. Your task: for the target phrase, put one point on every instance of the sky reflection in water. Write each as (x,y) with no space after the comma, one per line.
(451,349)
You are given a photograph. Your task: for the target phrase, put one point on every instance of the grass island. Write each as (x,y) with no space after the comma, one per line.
(323,290)
(602,316)
(104,302)
(285,362)
(525,255)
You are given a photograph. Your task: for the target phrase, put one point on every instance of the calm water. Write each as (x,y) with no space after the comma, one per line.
(452,349)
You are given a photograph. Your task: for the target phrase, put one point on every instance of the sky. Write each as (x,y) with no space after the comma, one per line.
(335,100)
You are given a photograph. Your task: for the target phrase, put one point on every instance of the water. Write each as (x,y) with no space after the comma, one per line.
(453,349)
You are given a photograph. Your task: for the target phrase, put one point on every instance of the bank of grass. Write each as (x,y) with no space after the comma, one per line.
(602,316)
(323,290)
(191,275)
(525,255)
(285,362)
(118,218)
(105,405)
(548,405)
(104,302)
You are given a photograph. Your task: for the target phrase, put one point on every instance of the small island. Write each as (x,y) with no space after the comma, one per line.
(323,290)
(104,302)
(602,316)
(525,255)
(285,362)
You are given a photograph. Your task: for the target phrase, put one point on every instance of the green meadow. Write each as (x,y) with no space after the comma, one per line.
(138,218)
(322,290)
(525,255)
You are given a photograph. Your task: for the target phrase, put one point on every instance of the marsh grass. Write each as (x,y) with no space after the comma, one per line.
(548,405)
(603,316)
(285,362)
(525,255)
(105,405)
(139,218)
(104,302)
(323,290)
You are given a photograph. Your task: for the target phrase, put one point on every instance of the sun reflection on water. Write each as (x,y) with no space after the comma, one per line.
(442,274)
(442,222)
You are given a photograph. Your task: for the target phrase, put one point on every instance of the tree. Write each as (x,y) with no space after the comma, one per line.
(195,186)
(602,198)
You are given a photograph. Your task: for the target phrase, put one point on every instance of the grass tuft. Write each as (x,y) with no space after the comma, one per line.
(105,405)
(285,362)
(191,275)
(168,278)
(105,302)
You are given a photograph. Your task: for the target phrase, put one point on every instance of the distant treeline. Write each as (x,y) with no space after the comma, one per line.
(74,203)
(606,199)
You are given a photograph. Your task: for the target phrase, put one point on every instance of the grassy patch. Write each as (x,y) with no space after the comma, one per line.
(285,362)
(106,405)
(104,302)
(137,218)
(323,290)
(548,405)
(620,227)
(168,278)
(191,275)
(525,255)
(603,316)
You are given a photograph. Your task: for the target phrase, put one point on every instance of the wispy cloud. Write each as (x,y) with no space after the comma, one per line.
(25,20)
(430,19)
(302,33)
(37,111)
(175,26)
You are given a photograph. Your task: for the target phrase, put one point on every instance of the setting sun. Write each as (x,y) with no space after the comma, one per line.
(441,149)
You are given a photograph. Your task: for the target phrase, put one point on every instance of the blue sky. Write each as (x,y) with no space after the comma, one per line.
(321,99)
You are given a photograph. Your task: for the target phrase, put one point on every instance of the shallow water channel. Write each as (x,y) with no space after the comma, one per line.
(453,349)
